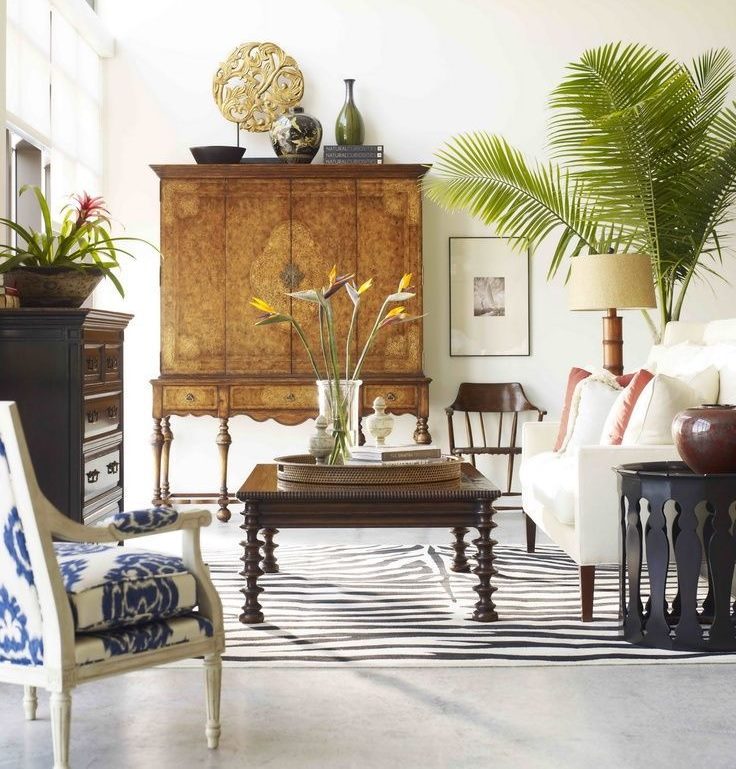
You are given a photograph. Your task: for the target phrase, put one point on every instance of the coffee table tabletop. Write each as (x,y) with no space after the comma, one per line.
(271,504)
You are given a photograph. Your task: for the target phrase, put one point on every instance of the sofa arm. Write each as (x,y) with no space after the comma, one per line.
(537,437)
(597,511)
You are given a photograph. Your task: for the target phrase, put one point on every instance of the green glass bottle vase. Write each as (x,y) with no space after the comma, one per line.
(349,127)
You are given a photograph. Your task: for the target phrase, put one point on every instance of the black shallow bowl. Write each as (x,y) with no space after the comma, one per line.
(217,154)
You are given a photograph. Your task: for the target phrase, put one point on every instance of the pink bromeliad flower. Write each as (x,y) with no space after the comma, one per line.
(89,208)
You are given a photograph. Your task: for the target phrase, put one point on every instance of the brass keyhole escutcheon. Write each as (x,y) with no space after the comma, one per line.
(190,397)
(390,397)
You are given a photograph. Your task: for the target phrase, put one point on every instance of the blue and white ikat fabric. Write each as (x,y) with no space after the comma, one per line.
(21,640)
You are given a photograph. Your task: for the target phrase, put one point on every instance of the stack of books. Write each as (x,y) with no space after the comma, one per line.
(411,453)
(365,154)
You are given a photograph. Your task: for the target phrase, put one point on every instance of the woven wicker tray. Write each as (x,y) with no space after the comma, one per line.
(301,468)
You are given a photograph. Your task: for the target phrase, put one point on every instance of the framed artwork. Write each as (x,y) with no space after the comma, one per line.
(489,298)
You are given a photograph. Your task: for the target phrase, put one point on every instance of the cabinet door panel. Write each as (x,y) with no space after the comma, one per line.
(192,275)
(323,234)
(389,245)
(258,258)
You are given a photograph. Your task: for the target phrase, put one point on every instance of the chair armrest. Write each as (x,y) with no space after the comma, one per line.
(71,531)
(144,521)
(537,437)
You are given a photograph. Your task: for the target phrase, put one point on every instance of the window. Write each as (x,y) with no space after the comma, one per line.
(54,97)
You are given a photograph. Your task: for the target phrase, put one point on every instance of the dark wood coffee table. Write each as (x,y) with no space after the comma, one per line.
(271,505)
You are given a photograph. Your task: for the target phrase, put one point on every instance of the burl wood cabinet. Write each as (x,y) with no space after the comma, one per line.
(64,368)
(232,232)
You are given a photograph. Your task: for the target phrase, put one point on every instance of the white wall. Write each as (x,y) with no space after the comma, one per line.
(425,70)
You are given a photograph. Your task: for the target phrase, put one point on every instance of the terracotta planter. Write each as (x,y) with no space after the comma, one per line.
(53,286)
(706,438)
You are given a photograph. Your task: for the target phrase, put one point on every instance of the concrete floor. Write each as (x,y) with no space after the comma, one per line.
(617,717)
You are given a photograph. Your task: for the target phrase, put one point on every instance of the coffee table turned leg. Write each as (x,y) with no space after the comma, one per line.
(459,545)
(252,613)
(485,609)
(270,564)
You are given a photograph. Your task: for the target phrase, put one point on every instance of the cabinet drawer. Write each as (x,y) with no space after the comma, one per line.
(273,396)
(102,509)
(92,362)
(113,360)
(102,415)
(102,473)
(396,396)
(190,398)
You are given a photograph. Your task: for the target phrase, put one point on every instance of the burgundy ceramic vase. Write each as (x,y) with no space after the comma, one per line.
(706,438)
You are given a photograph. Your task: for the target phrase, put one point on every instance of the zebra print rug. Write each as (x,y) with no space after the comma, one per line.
(401,605)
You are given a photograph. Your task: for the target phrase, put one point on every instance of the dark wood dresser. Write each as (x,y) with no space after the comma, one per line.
(64,368)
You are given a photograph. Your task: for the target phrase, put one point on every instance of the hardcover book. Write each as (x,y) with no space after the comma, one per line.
(395,453)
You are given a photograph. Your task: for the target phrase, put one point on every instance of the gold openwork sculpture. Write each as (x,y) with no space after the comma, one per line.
(256,84)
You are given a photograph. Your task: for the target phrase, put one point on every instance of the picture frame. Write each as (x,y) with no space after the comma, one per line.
(489,298)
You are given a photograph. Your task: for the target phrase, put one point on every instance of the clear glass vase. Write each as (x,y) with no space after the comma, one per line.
(339,403)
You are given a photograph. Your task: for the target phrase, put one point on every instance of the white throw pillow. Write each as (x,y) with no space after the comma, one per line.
(672,359)
(589,408)
(660,401)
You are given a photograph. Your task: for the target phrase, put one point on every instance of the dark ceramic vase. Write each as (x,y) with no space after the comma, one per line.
(53,286)
(349,124)
(706,438)
(296,136)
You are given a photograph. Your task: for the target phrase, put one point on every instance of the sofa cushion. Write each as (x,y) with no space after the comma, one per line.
(110,586)
(590,405)
(618,417)
(662,399)
(550,480)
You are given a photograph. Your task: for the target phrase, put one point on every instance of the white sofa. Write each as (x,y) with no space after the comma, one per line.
(572,496)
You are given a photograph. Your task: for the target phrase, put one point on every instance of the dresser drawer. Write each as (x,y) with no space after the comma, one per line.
(102,415)
(177,398)
(268,396)
(396,396)
(92,362)
(113,360)
(102,472)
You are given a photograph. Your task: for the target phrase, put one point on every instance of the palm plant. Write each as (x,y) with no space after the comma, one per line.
(643,158)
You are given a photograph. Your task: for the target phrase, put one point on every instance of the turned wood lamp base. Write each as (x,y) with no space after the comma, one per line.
(613,342)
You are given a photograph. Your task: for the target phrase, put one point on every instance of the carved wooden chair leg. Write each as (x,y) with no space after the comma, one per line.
(213,682)
(587,585)
(531,534)
(61,715)
(30,702)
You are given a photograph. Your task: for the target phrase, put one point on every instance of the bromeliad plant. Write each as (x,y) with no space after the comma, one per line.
(646,148)
(330,368)
(81,242)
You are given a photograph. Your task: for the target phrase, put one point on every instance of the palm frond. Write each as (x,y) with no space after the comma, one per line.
(485,175)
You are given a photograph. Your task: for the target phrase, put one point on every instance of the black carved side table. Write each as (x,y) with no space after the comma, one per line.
(701,527)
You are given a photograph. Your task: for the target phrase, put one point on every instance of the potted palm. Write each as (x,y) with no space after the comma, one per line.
(60,266)
(644,160)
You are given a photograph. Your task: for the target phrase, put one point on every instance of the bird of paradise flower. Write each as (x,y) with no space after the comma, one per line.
(330,368)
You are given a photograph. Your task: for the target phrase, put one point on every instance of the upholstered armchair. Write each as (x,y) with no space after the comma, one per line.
(75,607)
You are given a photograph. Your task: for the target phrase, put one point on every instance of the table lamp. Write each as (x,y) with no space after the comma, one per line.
(610,282)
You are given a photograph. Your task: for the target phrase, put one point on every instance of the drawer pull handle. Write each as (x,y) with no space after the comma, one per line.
(92,417)
(190,397)
(113,467)
(290,397)
(390,396)
(112,362)
(92,364)
(92,476)
(112,411)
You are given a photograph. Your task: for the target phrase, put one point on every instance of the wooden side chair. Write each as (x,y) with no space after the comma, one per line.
(498,399)
(81,608)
